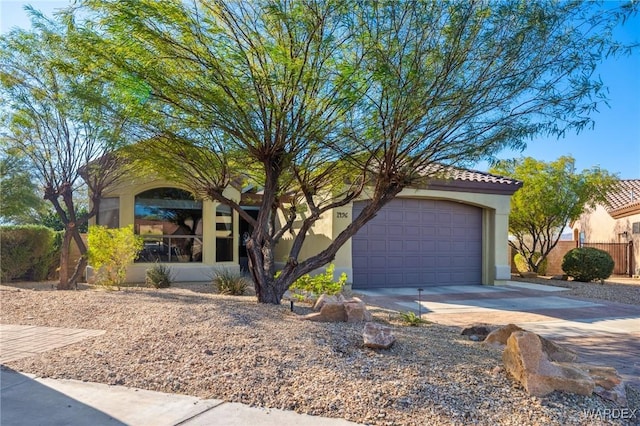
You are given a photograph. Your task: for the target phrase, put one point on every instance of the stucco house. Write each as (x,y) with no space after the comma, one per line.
(617,221)
(452,232)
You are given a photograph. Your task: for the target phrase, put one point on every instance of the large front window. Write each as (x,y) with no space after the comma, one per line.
(170,222)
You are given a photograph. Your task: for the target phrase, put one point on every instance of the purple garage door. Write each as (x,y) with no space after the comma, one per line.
(414,243)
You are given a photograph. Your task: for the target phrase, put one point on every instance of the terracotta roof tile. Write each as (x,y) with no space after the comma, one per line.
(627,195)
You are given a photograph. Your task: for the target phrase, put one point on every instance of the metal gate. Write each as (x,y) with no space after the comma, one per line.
(621,254)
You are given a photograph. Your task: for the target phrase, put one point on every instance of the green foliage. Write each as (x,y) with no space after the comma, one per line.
(587,264)
(552,195)
(20,199)
(160,276)
(523,266)
(318,284)
(317,98)
(29,252)
(110,251)
(228,282)
(410,318)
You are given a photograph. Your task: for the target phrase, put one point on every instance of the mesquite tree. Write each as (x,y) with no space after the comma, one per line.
(320,102)
(553,194)
(51,117)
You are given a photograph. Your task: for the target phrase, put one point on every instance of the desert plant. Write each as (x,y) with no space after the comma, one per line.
(160,276)
(319,284)
(523,266)
(587,264)
(410,318)
(29,252)
(110,251)
(229,282)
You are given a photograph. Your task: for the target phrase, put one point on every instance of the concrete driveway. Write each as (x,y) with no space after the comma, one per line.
(601,332)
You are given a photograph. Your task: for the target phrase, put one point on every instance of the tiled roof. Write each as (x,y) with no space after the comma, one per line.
(477,176)
(627,195)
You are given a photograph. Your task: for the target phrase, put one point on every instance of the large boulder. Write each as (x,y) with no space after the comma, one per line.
(498,338)
(377,336)
(326,298)
(339,309)
(525,360)
(330,312)
(356,310)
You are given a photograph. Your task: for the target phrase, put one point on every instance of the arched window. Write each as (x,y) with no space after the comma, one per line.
(170,222)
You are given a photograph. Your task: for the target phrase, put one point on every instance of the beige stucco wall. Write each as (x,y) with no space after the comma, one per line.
(495,253)
(126,192)
(599,226)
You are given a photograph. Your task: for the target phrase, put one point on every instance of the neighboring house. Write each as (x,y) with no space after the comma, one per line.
(452,232)
(617,221)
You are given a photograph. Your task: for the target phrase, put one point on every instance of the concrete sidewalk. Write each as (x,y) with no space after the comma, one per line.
(28,400)
(601,332)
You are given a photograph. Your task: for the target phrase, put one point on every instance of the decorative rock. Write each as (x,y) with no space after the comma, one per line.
(356,310)
(526,361)
(608,383)
(330,312)
(499,337)
(325,298)
(477,333)
(377,336)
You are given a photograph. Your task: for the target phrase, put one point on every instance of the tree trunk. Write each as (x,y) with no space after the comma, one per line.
(63,283)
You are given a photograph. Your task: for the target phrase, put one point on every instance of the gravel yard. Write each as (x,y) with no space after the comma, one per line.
(188,340)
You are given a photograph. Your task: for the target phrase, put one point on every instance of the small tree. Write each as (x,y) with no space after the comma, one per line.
(552,195)
(111,251)
(56,117)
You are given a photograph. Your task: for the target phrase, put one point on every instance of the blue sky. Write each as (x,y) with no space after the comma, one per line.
(613,144)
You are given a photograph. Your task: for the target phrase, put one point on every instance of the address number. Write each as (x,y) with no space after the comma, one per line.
(342,215)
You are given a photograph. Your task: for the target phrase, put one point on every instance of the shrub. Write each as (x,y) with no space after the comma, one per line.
(30,252)
(587,264)
(523,266)
(229,282)
(319,284)
(110,251)
(410,318)
(160,276)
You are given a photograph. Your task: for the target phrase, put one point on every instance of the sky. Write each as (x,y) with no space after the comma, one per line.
(613,144)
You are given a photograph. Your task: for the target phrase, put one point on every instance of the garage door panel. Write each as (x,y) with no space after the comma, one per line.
(415,242)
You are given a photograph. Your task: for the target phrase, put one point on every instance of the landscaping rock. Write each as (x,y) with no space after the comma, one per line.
(528,274)
(608,383)
(477,333)
(356,310)
(330,312)
(377,336)
(525,360)
(499,337)
(325,298)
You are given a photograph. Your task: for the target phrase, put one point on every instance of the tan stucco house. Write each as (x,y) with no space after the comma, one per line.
(452,232)
(617,221)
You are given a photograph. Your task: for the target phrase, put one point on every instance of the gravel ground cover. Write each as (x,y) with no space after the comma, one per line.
(188,340)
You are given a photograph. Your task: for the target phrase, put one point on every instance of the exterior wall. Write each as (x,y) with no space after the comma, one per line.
(599,226)
(126,192)
(495,251)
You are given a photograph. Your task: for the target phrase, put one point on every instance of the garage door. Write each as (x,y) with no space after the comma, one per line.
(414,243)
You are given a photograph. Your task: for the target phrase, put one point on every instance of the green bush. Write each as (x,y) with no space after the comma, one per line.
(160,276)
(587,264)
(110,251)
(29,252)
(523,266)
(318,284)
(228,282)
